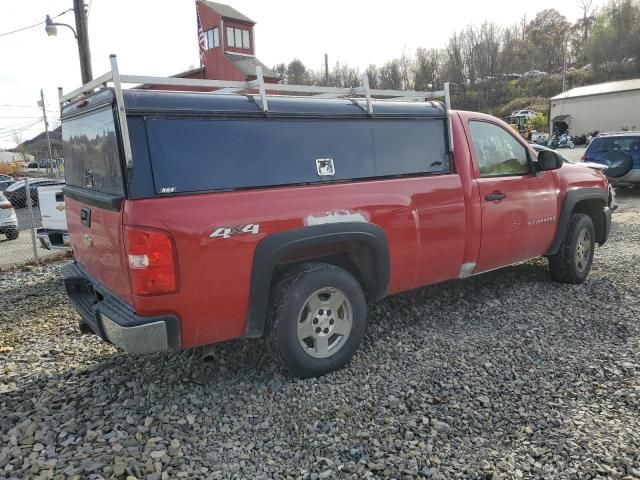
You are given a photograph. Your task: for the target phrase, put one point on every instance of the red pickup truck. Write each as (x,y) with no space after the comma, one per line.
(220,219)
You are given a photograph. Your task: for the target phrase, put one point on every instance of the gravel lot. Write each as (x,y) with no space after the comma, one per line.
(505,375)
(20,251)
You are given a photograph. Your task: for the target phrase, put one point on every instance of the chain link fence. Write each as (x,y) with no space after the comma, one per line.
(21,219)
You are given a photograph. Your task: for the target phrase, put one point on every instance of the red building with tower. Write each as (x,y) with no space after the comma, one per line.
(229,45)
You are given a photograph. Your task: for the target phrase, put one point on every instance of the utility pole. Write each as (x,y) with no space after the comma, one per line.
(326,69)
(564,65)
(83,40)
(46,129)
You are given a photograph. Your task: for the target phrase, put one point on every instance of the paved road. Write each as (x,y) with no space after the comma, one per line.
(20,251)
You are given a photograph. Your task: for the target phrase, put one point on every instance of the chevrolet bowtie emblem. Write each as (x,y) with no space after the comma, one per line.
(60,207)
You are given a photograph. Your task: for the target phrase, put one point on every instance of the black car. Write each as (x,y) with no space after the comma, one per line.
(16,192)
(5,181)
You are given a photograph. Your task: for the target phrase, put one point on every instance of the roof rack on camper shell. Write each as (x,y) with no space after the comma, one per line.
(226,87)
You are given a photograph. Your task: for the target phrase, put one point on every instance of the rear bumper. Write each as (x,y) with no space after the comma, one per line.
(631,178)
(9,222)
(54,239)
(115,321)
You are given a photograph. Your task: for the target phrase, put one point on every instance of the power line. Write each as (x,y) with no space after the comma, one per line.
(19,130)
(31,116)
(10,128)
(18,106)
(34,25)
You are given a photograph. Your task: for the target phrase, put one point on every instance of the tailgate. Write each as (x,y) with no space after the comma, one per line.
(94,196)
(51,203)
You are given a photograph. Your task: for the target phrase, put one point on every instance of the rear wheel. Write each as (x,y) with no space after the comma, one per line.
(12,233)
(317,318)
(573,262)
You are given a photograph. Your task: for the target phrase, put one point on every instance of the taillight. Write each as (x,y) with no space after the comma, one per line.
(5,205)
(153,267)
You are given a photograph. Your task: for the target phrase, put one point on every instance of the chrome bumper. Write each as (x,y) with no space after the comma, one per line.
(54,239)
(137,339)
(115,321)
(631,178)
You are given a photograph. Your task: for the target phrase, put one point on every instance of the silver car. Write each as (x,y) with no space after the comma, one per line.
(8,219)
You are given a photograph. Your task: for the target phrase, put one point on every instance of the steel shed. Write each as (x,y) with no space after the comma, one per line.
(606,107)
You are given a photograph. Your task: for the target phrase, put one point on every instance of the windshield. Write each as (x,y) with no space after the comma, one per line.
(92,160)
(15,186)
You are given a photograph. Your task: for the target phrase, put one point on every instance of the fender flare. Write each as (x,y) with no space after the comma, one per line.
(273,248)
(571,199)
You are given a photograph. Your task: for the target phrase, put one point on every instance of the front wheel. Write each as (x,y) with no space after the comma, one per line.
(317,318)
(573,261)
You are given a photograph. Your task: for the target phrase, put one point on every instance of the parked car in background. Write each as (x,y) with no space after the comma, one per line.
(596,166)
(524,113)
(8,219)
(6,181)
(620,152)
(534,74)
(16,192)
(53,234)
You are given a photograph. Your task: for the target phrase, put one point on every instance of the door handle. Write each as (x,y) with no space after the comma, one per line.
(495,197)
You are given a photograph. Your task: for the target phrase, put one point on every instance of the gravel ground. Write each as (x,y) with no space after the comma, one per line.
(505,375)
(20,251)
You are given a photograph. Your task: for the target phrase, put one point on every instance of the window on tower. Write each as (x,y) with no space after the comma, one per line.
(213,38)
(238,38)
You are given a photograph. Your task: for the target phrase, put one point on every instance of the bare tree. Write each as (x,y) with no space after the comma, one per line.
(585,6)
(20,147)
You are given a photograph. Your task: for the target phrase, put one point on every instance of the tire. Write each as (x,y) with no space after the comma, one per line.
(573,262)
(620,163)
(12,233)
(571,144)
(316,321)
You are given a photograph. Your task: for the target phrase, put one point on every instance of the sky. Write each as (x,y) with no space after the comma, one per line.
(159,37)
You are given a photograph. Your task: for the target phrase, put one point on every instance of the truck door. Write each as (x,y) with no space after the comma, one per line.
(518,206)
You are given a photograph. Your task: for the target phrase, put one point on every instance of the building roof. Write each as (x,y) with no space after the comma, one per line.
(600,88)
(186,73)
(247,65)
(225,11)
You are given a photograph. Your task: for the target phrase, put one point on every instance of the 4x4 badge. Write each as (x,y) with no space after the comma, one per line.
(226,232)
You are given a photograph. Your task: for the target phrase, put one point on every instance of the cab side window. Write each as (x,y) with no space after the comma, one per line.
(498,153)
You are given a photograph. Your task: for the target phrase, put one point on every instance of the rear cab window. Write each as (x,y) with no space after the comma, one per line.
(92,159)
(629,144)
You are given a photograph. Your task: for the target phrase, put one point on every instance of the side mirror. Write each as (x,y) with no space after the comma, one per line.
(549,160)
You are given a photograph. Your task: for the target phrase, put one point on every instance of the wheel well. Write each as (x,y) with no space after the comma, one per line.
(593,208)
(358,258)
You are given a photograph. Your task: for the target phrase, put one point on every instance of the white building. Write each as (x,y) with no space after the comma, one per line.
(607,107)
(13,157)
